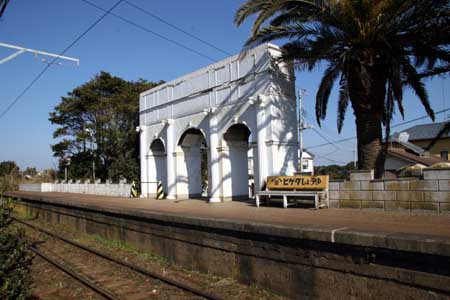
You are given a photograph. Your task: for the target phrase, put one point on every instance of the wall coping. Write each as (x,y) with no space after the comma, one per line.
(427,244)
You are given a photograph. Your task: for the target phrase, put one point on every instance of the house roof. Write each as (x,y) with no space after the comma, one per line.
(424,160)
(309,153)
(405,144)
(426,131)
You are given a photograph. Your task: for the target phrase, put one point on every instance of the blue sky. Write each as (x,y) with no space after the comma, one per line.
(128,52)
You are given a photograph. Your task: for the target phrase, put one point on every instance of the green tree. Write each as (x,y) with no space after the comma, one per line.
(374,49)
(9,176)
(97,121)
(335,171)
(6,167)
(31,171)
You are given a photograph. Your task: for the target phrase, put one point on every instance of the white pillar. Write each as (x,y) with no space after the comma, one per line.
(170,160)
(261,157)
(214,158)
(143,146)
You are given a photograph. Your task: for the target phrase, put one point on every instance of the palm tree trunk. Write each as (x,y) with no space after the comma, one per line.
(369,134)
(367,90)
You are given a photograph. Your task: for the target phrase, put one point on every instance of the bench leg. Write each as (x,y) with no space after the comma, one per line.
(316,201)
(257,200)
(284,201)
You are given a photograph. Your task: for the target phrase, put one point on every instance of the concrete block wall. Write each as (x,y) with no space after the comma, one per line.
(428,194)
(36,187)
(119,190)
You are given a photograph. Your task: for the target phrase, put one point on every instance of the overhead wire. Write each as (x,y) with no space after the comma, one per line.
(333,160)
(393,126)
(325,138)
(152,32)
(155,16)
(30,85)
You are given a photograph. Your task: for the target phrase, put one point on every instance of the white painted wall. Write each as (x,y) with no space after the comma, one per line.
(307,162)
(119,190)
(396,163)
(188,171)
(252,90)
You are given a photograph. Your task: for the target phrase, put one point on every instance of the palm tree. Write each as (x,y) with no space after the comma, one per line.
(3,4)
(373,48)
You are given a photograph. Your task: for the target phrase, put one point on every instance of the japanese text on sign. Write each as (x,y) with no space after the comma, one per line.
(297,182)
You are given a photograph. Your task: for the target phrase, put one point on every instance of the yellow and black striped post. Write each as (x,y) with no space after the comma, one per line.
(134,192)
(159,190)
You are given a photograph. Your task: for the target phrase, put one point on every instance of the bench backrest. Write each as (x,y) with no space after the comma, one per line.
(297,182)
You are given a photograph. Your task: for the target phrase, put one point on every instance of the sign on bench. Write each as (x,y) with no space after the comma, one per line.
(296,186)
(297,182)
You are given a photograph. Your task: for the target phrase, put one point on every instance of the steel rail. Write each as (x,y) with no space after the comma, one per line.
(92,285)
(155,275)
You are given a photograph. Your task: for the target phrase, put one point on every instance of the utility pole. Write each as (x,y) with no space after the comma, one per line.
(21,50)
(66,162)
(91,134)
(302,125)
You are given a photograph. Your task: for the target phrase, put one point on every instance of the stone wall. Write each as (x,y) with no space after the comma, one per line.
(298,262)
(430,193)
(103,189)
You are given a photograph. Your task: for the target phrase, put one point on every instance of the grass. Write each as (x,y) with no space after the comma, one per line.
(115,244)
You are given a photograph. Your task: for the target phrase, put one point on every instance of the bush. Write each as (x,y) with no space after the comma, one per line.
(15,258)
(10,181)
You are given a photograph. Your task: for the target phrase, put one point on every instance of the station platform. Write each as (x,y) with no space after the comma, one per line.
(295,252)
(424,225)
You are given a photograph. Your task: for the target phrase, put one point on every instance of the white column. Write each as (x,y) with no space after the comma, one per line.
(143,146)
(170,160)
(214,158)
(261,157)
(151,177)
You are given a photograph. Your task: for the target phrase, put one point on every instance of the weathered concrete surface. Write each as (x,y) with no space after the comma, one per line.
(302,254)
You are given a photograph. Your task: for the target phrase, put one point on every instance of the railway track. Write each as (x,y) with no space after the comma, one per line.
(112,278)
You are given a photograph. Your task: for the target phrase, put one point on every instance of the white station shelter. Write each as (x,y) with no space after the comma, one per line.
(218,114)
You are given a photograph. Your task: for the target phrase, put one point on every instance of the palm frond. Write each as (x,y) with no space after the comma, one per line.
(270,33)
(298,53)
(377,48)
(326,85)
(3,4)
(396,84)
(414,81)
(250,8)
(342,102)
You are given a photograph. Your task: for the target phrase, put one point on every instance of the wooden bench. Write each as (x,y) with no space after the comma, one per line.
(310,187)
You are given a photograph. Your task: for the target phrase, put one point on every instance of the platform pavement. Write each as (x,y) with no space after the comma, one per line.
(424,232)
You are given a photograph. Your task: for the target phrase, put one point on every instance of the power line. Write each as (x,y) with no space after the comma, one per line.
(152,32)
(420,118)
(29,86)
(335,142)
(396,125)
(333,160)
(325,138)
(176,27)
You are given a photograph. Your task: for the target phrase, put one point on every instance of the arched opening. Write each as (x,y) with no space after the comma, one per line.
(236,163)
(192,165)
(156,166)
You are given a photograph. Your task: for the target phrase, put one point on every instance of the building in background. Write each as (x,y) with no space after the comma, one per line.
(404,151)
(306,163)
(423,135)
